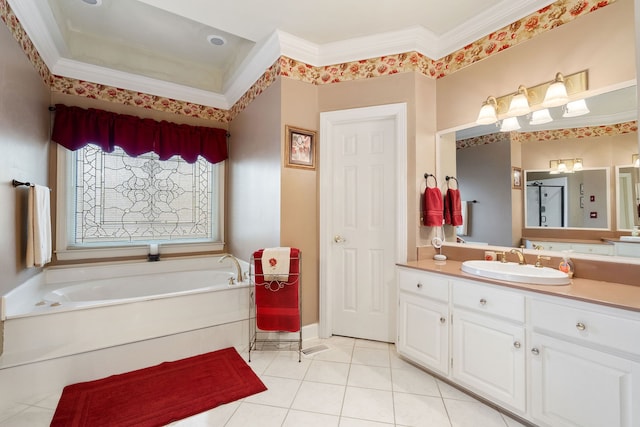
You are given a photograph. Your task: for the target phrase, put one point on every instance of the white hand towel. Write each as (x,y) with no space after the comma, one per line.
(38,226)
(275,263)
(462,230)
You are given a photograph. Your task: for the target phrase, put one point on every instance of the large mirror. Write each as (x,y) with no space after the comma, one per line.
(577,199)
(501,213)
(628,196)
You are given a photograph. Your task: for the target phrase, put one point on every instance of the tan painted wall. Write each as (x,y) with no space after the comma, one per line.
(601,42)
(24,144)
(254,185)
(299,219)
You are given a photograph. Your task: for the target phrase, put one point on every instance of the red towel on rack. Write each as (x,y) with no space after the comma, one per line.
(432,207)
(278,310)
(453,207)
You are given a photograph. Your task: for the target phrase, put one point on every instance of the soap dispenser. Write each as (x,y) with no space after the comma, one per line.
(566,265)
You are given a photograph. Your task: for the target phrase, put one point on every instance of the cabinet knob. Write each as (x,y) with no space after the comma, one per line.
(483,301)
(535,351)
(517,344)
(419,286)
(581,326)
(443,319)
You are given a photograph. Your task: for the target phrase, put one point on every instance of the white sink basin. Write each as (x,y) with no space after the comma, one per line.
(630,238)
(513,272)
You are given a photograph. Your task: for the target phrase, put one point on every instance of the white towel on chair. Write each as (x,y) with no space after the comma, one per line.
(38,227)
(275,263)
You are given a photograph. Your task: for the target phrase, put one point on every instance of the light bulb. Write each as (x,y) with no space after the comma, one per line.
(556,93)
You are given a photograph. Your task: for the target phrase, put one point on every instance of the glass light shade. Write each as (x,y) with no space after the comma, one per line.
(540,117)
(635,160)
(487,114)
(562,167)
(556,95)
(577,164)
(509,124)
(576,108)
(519,105)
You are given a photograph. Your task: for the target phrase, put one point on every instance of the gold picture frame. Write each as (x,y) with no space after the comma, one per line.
(516,178)
(300,148)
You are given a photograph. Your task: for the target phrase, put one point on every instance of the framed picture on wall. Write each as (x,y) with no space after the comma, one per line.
(516,178)
(300,148)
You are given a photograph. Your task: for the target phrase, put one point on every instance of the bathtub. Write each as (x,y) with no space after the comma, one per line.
(65,311)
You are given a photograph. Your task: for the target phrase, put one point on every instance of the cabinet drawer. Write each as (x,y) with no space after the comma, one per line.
(422,283)
(490,300)
(585,325)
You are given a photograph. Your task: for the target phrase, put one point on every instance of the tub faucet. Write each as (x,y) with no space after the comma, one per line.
(237,263)
(520,254)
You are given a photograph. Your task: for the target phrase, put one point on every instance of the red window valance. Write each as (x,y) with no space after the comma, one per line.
(76,127)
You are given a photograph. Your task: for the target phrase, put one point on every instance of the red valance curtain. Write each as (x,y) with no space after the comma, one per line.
(76,127)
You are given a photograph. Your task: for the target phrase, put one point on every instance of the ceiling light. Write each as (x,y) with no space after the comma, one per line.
(575,109)
(519,103)
(216,40)
(540,117)
(565,165)
(635,161)
(509,124)
(556,93)
(562,166)
(488,114)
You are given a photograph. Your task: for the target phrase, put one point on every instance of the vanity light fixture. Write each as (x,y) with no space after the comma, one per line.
(556,94)
(575,108)
(519,105)
(635,161)
(536,98)
(540,117)
(488,112)
(565,165)
(510,124)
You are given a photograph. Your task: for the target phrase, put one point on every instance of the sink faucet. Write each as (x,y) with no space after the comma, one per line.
(520,254)
(235,260)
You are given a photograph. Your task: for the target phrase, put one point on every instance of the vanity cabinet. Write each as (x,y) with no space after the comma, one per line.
(488,342)
(554,361)
(423,319)
(584,365)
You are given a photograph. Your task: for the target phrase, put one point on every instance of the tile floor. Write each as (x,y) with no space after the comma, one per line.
(355,383)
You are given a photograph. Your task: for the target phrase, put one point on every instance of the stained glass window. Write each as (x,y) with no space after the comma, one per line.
(121,199)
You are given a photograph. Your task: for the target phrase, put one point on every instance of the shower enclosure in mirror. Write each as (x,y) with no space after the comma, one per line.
(569,200)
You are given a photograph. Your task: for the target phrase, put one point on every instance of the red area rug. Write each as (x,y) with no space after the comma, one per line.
(160,394)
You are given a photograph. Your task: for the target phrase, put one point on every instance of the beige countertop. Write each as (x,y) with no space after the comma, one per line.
(599,292)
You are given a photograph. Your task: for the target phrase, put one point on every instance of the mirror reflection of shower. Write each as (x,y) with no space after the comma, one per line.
(546,203)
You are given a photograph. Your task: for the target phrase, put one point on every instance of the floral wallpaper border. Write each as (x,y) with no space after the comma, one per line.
(545,19)
(550,135)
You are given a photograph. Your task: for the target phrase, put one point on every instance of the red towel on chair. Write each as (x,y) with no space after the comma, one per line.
(278,310)
(432,207)
(453,207)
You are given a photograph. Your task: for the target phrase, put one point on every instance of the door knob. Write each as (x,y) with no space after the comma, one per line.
(339,239)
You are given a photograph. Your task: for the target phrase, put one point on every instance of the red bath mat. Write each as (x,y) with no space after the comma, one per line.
(160,394)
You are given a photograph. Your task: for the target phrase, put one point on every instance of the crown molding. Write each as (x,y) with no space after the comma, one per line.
(261,57)
(492,19)
(123,80)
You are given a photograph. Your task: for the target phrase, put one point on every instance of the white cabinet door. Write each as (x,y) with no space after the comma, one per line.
(423,331)
(576,386)
(489,357)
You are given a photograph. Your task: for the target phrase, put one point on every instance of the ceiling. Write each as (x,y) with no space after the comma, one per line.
(161,47)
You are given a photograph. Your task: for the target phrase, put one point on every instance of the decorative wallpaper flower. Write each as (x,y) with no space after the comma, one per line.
(550,135)
(545,19)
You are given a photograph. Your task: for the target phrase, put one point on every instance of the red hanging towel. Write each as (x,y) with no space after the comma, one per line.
(453,207)
(432,207)
(278,310)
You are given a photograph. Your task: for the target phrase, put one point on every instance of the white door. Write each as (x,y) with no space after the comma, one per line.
(359,223)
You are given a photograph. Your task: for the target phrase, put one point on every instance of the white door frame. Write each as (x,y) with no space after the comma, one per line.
(397,112)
